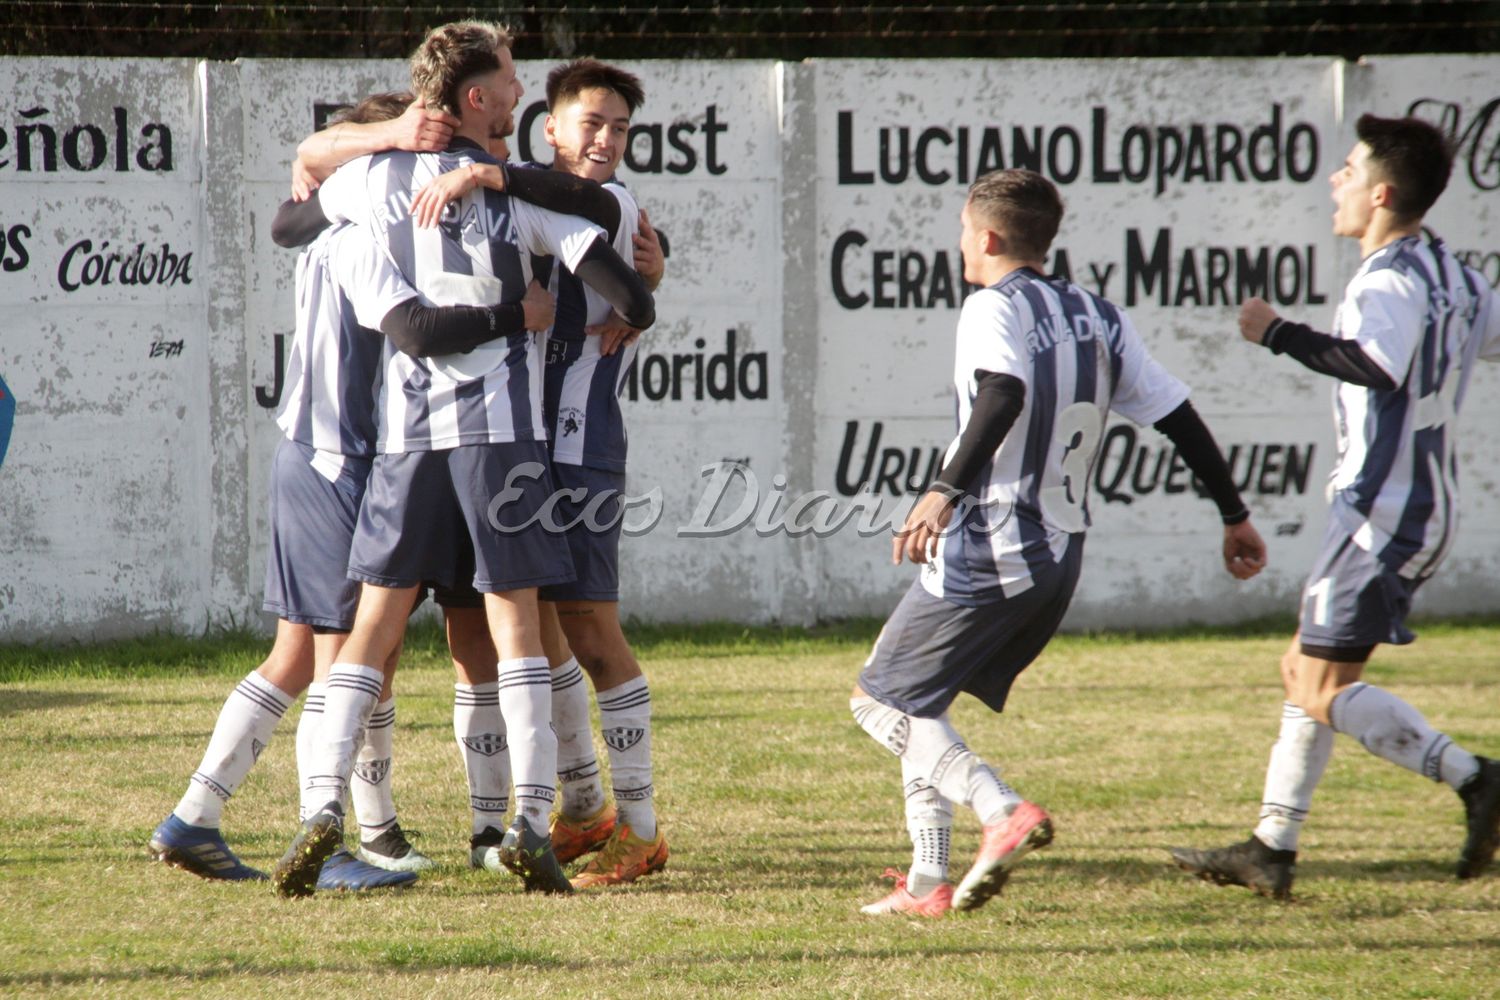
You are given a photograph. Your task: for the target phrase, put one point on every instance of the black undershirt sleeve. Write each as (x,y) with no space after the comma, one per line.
(997,403)
(1195,443)
(564,193)
(1326,354)
(421,331)
(603,271)
(298,223)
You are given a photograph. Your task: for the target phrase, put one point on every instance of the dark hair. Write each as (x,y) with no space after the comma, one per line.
(1412,156)
(567,81)
(375,108)
(451,54)
(1021,204)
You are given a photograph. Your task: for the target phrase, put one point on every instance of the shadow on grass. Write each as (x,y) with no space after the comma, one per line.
(488,954)
(16,701)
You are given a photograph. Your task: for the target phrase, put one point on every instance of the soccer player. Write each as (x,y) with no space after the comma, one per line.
(346,289)
(1411,325)
(478,727)
(465,428)
(1039,365)
(590,106)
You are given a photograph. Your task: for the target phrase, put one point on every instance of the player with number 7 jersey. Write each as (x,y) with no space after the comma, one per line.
(1039,364)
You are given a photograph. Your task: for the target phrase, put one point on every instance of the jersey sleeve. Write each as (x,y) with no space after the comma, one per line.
(368,277)
(345,196)
(1146,391)
(990,327)
(1385,312)
(630,222)
(566,237)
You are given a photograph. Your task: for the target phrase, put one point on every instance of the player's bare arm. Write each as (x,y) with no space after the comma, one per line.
(418,129)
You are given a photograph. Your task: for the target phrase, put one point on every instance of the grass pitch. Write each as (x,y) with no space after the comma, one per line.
(781,815)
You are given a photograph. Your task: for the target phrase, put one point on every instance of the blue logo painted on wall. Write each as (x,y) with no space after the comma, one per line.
(7,417)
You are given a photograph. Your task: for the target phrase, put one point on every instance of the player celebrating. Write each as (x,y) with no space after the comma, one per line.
(346,289)
(466,428)
(1039,364)
(588,125)
(1412,323)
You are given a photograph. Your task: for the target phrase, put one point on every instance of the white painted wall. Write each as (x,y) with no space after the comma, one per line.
(133,494)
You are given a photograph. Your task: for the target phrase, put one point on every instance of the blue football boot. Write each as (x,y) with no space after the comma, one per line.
(344,871)
(200,850)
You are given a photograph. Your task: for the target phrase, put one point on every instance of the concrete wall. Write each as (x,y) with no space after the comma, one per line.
(813,283)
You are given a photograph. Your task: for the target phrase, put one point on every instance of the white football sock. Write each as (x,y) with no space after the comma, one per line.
(1388,727)
(1297,762)
(480,732)
(349,696)
(625,723)
(526,706)
(309,726)
(370,789)
(939,754)
(929,820)
(243,729)
(577,764)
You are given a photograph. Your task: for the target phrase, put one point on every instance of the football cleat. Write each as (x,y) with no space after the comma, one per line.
(484,850)
(624,859)
(935,904)
(1252,864)
(573,838)
(200,850)
(529,855)
(344,871)
(1481,796)
(296,874)
(393,852)
(1026,829)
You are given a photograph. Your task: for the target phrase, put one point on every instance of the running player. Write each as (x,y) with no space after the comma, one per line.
(1412,323)
(464,428)
(1039,365)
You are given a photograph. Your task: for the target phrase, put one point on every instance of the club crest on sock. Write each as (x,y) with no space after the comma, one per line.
(486,744)
(623,737)
(373,771)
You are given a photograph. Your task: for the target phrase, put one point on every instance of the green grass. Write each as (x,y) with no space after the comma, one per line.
(781,815)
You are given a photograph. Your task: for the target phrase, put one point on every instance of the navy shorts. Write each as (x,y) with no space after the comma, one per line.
(931,649)
(312,526)
(590,519)
(419,505)
(1352,600)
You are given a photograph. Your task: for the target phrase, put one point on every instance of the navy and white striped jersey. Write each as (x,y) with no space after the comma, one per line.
(582,389)
(1424,318)
(345,286)
(1080,358)
(478,254)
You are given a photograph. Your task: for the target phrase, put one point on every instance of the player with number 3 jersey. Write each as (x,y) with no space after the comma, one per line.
(1039,365)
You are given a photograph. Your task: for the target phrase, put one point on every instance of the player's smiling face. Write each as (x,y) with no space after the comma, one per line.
(1353,194)
(590,133)
(502,92)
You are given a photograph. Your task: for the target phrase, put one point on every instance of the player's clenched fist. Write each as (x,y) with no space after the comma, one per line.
(1256,317)
(538,307)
